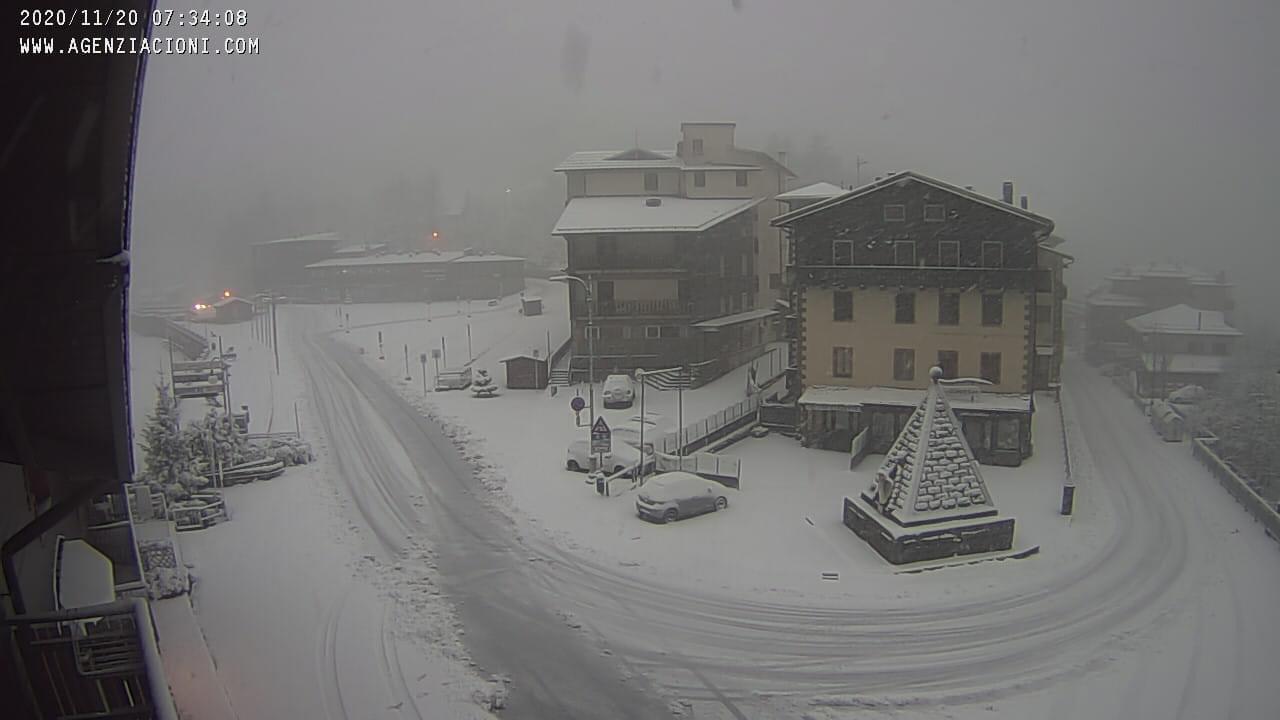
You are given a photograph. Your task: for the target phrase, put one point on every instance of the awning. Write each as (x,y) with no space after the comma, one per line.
(735,319)
(960,398)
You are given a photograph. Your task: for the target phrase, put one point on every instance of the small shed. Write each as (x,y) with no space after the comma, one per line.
(531,305)
(526,372)
(232,310)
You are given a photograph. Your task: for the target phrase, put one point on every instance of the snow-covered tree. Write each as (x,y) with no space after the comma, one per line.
(1244,412)
(168,462)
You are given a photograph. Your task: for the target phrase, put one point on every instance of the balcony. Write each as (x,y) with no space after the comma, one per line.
(628,263)
(93,662)
(643,308)
(923,277)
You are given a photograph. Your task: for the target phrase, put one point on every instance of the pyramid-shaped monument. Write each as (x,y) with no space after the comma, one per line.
(928,499)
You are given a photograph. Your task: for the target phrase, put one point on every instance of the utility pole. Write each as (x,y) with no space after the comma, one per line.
(275,345)
(407,376)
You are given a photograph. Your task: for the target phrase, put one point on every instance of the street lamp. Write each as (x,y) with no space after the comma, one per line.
(591,349)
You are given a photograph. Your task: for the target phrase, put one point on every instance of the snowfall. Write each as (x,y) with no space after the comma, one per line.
(325,596)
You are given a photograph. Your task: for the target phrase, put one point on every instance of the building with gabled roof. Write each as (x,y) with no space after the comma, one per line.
(1178,346)
(928,500)
(908,272)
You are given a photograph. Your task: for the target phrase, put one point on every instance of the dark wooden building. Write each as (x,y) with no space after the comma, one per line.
(415,277)
(526,372)
(279,266)
(674,283)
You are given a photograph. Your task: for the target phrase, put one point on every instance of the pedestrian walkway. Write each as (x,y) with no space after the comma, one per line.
(193,677)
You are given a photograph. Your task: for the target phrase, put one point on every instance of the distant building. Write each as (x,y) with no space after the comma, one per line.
(232,310)
(279,266)
(1180,346)
(902,274)
(677,246)
(418,277)
(526,372)
(1133,291)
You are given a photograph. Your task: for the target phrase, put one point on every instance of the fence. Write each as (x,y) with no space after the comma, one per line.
(705,431)
(858,448)
(1255,504)
(727,470)
(93,662)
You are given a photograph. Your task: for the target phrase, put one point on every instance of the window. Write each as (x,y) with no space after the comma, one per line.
(652,332)
(1195,347)
(993,310)
(593,332)
(842,252)
(651,182)
(1219,348)
(842,306)
(904,252)
(1044,313)
(669,331)
(697,146)
(699,179)
(949,362)
(733,304)
(949,308)
(990,369)
(744,265)
(626,332)
(935,212)
(895,213)
(755,243)
(904,364)
(949,253)
(775,281)
(842,362)
(904,308)
(992,254)
(740,178)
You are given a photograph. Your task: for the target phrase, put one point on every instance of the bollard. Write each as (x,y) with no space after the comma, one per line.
(1068,499)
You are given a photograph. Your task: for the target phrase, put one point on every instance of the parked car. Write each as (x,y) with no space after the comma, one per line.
(618,392)
(453,379)
(579,456)
(675,495)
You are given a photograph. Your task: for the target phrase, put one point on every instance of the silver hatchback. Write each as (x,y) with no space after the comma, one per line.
(671,496)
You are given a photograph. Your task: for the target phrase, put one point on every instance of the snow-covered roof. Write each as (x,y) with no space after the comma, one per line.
(227,301)
(1183,320)
(521,356)
(734,319)
(960,398)
(1109,299)
(931,472)
(713,167)
(422,258)
(788,218)
(816,191)
(632,214)
(603,160)
(1185,363)
(317,237)
(489,258)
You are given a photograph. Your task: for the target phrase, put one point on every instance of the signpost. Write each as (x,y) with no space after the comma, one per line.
(577,404)
(423,358)
(601,440)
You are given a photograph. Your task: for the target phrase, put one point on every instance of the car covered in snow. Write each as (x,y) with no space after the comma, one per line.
(675,495)
(579,457)
(618,392)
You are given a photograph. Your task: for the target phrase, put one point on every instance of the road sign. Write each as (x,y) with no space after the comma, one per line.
(601,437)
(578,404)
(435,353)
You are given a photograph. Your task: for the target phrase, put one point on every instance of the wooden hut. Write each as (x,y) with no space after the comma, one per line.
(526,372)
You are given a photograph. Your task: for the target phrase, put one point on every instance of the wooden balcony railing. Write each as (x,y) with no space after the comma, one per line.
(633,308)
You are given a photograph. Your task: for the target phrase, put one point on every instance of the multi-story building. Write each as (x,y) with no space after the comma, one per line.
(909,272)
(1133,291)
(1179,345)
(677,247)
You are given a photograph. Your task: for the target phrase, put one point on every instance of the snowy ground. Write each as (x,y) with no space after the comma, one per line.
(1154,600)
(728,611)
(304,611)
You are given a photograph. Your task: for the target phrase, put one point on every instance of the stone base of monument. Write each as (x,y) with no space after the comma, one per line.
(982,533)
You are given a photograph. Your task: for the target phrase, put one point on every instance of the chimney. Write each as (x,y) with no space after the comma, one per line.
(1022,202)
(968,187)
(1006,192)
(782,157)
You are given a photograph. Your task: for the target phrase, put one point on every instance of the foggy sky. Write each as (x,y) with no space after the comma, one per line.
(1139,126)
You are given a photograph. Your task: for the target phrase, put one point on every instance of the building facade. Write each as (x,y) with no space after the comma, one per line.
(414,277)
(906,273)
(1178,346)
(677,248)
(1133,291)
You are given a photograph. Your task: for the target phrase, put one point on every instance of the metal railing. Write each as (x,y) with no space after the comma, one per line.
(1238,487)
(99,661)
(614,308)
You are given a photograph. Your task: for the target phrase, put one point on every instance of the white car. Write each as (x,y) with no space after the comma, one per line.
(675,495)
(618,392)
(579,457)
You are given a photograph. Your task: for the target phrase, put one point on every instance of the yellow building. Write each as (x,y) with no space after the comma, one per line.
(906,273)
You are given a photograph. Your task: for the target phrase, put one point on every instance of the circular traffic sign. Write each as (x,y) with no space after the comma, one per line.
(577,404)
